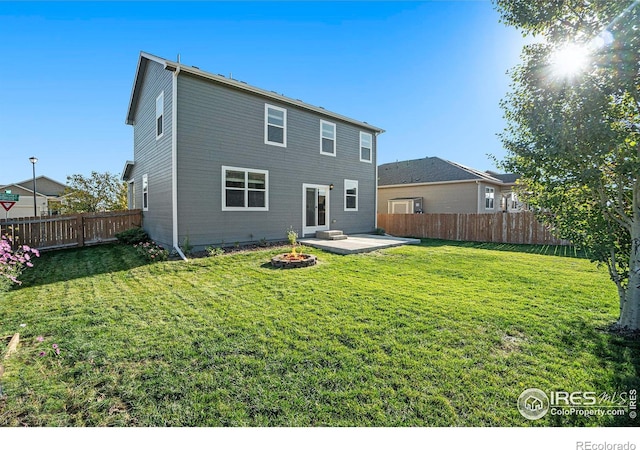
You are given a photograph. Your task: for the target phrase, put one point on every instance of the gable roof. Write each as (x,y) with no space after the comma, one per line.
(44,186)
(432,170)
(20,190)
(145,58)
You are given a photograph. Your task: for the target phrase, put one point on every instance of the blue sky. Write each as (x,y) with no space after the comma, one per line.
(430,73)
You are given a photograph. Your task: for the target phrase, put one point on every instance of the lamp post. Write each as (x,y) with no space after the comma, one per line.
(34,160)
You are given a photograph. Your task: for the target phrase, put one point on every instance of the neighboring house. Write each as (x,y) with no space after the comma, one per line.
(217,161)
(48,197)
(435,185)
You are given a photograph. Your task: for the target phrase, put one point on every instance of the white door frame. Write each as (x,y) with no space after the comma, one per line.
(312,229)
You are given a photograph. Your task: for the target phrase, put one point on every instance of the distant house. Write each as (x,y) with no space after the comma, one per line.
(49,194)
(435,185)
(218,161)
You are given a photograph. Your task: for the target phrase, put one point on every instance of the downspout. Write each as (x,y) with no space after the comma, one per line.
(375,195)
(478,198)
(174,161)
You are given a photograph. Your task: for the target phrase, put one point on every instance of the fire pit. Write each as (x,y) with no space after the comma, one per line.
(293,261)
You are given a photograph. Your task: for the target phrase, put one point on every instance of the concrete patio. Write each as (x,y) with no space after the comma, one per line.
(358,243)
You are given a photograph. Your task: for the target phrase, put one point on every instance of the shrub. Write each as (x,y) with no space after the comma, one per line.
(152,251)
(133,236)
(292,236)
(13,262)
(186,246)
(217,251)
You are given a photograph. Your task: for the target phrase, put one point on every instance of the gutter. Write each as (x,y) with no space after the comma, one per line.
(174,159)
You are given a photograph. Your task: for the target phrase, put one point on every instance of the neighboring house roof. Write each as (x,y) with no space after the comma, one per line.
(44,186)
(510,178)
(229,82)
(432,170)
(20,190)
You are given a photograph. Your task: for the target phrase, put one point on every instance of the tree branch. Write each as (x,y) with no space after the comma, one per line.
(623,220)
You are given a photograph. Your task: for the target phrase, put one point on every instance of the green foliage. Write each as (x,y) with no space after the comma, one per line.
(97,192)
(151,251)
(186,246)
(215,251)
(573,139)
(292,236)
(132,236)
(379,231)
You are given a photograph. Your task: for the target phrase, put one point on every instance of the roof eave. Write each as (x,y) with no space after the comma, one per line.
(426,183)
(137,80)
(126,171)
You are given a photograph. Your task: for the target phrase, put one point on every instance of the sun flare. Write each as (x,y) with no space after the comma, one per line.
(569,60)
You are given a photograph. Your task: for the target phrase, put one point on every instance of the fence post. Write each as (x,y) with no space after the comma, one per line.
(80,229)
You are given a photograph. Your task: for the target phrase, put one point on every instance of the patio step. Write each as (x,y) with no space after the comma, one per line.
(331,235)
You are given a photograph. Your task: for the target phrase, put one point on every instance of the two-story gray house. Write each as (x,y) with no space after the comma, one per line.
(218,161)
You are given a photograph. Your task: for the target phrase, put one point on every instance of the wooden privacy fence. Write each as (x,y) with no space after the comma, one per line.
(74,230)
(508,228)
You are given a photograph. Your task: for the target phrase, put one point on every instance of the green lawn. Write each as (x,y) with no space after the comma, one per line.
(441,334)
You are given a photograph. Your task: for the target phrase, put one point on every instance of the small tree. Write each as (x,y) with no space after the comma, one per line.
(98,192)
(574,126)
(292,237)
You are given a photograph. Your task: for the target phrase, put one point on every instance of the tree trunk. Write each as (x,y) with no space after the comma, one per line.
(630,308)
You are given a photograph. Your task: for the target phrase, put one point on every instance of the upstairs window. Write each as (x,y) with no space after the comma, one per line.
(489,194)
(350,195)
(366,147)
(275,126)
(245,189)
(145,192)
(160,115)
(327,138)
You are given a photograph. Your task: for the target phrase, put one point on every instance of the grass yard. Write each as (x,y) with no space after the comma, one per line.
(441,334)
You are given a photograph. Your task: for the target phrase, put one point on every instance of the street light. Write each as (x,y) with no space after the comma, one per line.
(34,160)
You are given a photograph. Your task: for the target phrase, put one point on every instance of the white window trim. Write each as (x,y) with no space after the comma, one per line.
(145,187)
(324,122)
(246,190)
(370,160)
(489,190)
(266,126)
(131,194)
(161,96)
(347,184)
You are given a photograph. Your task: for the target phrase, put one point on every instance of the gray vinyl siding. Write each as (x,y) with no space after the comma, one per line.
(220,126)
(153,156)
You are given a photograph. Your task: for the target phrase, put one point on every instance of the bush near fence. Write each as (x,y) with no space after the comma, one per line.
(72,230)
(508,228)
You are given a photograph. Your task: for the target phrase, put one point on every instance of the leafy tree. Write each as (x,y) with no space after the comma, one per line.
(573,130)
(98,192)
